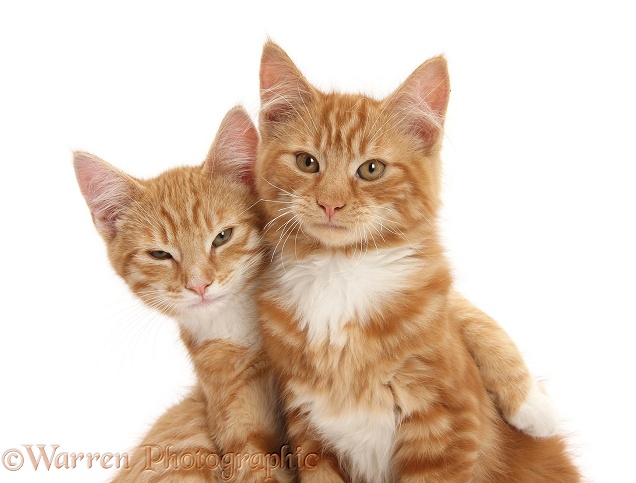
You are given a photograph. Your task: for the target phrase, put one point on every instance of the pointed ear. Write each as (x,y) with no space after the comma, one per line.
(283,87)
(233,151)
(421,101)
(108,191)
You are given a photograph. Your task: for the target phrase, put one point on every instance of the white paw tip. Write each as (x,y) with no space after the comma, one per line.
(537,416)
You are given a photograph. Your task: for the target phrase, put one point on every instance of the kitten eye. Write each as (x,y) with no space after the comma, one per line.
(223,237)
(160,255)
(371,170)
(307,163)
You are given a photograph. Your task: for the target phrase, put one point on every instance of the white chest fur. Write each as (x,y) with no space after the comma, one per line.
(327,290)
(234,320)
(362,436)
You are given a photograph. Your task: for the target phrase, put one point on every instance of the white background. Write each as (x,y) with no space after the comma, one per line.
(539,190)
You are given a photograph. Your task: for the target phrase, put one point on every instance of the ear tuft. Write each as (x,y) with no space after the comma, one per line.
(233,151)
(422,100)
(283,87)
(108,192)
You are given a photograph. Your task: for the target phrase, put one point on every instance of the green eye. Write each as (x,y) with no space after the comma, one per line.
(160,255)
(307,163)
(371,170)
(223,237)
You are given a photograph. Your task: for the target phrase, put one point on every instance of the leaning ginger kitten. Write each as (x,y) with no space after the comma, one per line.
(379,360)
(188,244)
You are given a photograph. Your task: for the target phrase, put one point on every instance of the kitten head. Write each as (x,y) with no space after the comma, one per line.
(344,170)
(187,241)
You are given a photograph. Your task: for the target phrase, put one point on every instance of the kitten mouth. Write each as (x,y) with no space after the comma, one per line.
(331,227)
(208,301)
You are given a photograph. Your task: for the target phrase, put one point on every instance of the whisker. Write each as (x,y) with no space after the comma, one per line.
(283,227)
(267,226)
(276,201)
(279,188)
(282,249)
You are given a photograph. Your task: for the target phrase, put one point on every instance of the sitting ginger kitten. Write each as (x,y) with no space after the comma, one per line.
(385,372)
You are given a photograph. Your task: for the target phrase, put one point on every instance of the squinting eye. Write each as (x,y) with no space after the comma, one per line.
(371,170)
(222,237)
(160,255)
(307,163)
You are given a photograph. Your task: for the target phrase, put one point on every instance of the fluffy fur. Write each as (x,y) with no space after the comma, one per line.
(187,243)
(378,359)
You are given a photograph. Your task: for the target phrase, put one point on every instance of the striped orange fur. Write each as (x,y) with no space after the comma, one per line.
(187,243)
(378,358)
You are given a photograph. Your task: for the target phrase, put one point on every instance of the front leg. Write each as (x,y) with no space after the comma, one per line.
(252,433)
(243,414)
(314,462)
(435,446)
(443,416)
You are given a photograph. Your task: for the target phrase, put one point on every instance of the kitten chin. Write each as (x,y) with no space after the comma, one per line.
(229,316)
(332,235)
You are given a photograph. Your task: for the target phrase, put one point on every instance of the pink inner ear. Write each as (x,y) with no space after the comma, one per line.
(423,99)
(434,85)
(234,149)
(106,190)
(274,70)
(283,87)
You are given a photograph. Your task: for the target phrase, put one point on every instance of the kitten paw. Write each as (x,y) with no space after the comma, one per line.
(537,416)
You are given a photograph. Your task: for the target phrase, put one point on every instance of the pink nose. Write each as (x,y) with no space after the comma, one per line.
(330,208)
(199,289)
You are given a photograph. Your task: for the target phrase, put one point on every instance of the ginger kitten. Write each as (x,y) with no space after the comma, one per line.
(378,359)
(187,243)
